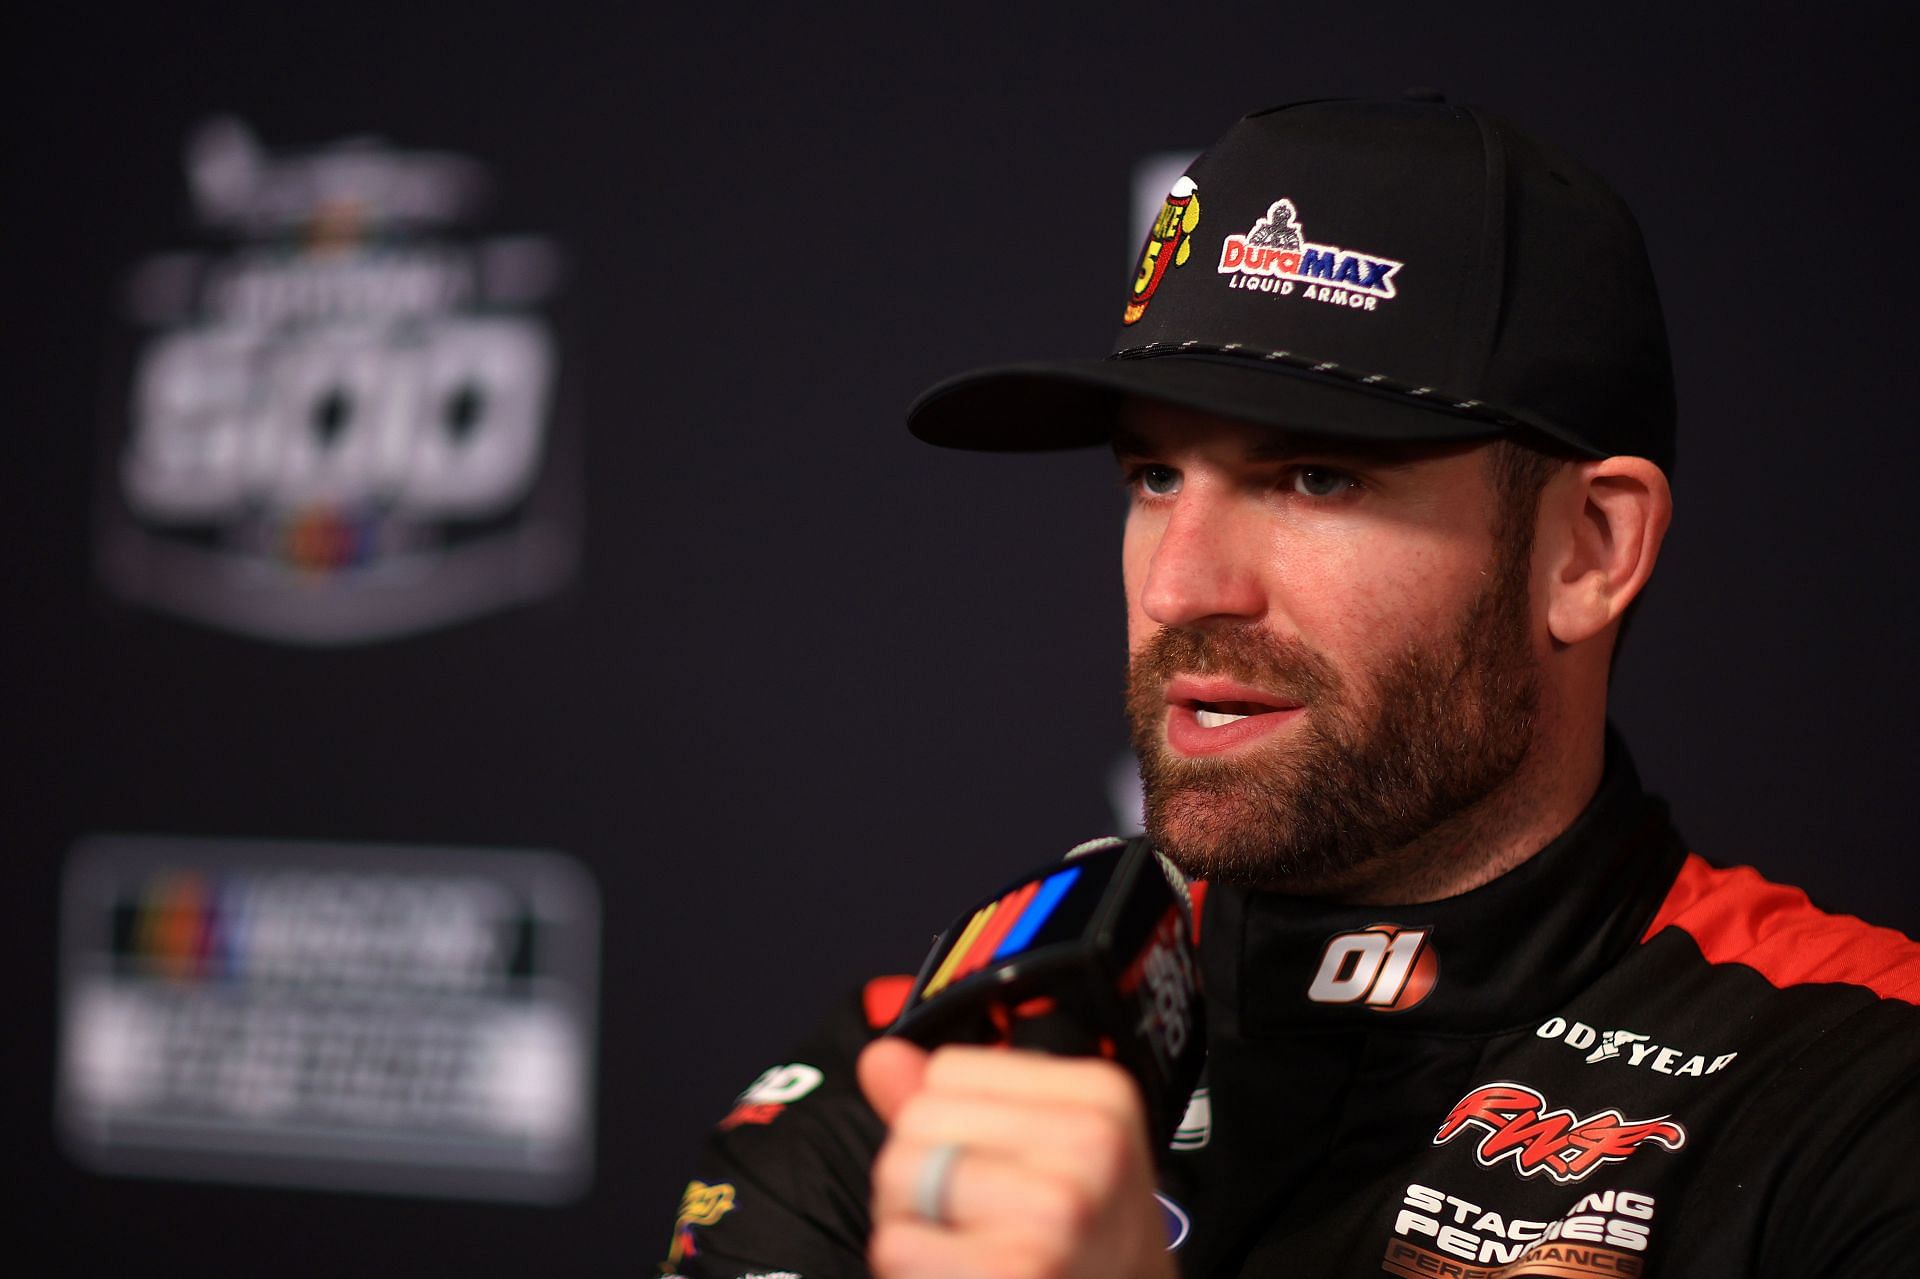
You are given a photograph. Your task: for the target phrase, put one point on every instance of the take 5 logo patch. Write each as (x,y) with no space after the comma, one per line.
(1274,256)
(1517,1125)
(1383,967)
(1169,244)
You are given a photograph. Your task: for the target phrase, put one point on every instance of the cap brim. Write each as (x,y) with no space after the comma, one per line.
(1076,403)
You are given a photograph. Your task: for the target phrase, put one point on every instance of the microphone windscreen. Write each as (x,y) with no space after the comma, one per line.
(1094,957)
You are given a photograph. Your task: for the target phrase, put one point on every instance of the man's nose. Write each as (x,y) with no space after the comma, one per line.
(1205,566)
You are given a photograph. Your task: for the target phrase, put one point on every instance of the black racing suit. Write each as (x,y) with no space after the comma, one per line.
(1614,1060)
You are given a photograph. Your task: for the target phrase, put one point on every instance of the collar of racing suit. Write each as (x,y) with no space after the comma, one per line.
(1496,958)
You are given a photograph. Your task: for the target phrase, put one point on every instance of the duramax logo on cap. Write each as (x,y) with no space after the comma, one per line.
(1274,256)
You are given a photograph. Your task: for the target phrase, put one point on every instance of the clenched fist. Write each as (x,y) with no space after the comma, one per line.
(1053,1179)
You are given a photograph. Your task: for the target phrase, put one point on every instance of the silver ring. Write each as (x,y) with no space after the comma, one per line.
(930,1187)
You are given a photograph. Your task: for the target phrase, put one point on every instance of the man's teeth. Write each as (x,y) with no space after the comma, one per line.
(1214,719)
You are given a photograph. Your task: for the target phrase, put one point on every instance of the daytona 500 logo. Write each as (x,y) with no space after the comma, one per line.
(341,411)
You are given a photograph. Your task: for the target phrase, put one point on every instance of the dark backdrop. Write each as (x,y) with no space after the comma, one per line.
(816,685)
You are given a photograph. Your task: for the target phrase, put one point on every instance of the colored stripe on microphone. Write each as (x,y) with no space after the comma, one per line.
(1001,928)
(996,929)
(1051,891)
(944,973)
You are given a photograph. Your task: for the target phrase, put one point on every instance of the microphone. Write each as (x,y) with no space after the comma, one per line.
(1094,958)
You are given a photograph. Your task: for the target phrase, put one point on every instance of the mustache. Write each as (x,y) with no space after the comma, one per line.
(1245,652)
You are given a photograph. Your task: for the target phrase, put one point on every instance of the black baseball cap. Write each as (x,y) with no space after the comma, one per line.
(1405,269)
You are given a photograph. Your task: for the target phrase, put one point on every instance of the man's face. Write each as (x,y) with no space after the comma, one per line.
(1330,649)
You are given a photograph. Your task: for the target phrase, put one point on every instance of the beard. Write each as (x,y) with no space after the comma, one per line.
(1376,762)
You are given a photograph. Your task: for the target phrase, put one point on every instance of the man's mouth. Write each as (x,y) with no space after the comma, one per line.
(1209,716)
(1220,714)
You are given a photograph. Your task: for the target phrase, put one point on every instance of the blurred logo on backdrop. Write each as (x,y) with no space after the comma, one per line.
(380,1018)
(339,424)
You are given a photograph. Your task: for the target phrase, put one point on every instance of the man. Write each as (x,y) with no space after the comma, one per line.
(1393,405)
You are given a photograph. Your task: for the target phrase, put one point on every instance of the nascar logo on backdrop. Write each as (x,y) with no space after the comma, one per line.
(339,424)
(380,1018)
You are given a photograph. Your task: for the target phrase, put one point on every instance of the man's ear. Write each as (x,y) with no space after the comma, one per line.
(1609,518)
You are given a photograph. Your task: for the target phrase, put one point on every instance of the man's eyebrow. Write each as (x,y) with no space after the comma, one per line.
(1279,447)
(1271,448)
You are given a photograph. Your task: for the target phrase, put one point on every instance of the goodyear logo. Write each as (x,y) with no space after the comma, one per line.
(1274,256)
(1001,928)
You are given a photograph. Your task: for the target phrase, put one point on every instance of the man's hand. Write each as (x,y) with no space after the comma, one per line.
(1053,1179)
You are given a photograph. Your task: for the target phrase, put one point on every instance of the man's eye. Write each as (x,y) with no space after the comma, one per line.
(1320,481)
(1157,481)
